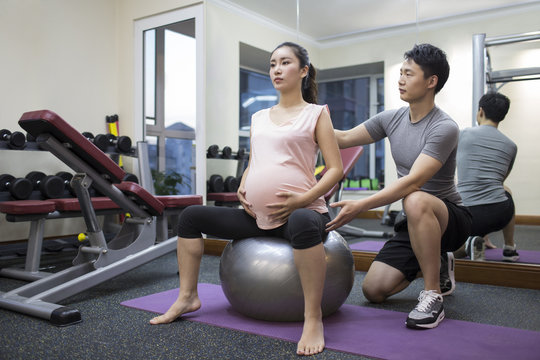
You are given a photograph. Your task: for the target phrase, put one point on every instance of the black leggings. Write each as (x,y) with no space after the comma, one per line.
(304,229)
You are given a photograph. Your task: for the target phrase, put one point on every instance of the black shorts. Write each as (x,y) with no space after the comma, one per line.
(491,217)
(398,253)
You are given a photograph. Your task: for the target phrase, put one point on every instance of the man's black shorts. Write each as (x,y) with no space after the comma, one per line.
(397,251)
(491,217)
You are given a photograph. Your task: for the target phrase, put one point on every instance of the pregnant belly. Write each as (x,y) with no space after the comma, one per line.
(261,190)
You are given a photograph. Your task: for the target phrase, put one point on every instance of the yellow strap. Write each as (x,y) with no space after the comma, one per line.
(113,130)
(319,169)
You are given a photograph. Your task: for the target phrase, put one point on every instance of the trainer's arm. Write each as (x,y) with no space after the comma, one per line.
(423,169)
(353,137)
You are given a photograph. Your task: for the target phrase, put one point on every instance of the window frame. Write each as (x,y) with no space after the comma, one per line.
(141,129)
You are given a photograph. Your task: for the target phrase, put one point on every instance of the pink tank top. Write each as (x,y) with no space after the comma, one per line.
(283,159)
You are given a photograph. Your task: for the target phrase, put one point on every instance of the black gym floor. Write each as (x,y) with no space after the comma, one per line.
(112,331)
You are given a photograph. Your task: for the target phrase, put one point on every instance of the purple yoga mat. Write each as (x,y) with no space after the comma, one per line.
(366,331)
(368,245)
(525,256)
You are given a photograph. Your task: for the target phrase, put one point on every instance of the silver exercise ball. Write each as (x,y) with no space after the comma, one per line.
(260,280)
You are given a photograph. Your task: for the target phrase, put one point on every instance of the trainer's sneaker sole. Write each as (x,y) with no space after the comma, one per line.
(511,258)
(412,325)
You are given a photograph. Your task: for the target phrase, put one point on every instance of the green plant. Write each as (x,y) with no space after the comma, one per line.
(165,182)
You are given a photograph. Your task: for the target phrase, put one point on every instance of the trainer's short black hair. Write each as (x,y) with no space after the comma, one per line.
(432,61)
(495,106)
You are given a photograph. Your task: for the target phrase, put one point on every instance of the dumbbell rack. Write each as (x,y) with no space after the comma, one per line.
(227,154)
(33,146)
(228,198)
(31,270)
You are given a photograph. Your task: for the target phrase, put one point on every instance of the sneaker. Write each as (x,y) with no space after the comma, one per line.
(429,311)
(447,278)
(475,248)
(510,253)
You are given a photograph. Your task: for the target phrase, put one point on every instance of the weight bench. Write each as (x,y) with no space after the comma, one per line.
(36,212)
(134,245)
(223,198)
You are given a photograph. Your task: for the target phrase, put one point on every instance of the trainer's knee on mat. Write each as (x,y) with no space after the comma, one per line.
(372,293)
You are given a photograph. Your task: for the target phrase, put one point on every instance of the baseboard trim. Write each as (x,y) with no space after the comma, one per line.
(477,272)
(527,220)
(520,219)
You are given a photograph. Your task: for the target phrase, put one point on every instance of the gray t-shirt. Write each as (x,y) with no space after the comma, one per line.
(485,157)
(436,135)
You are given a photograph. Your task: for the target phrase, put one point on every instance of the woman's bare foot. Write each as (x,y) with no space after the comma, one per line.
(489,244)
(312,340)
(180,307)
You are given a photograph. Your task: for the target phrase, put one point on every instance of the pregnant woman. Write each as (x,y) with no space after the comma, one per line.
(279,193)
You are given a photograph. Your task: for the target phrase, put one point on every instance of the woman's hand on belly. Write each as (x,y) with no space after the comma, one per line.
(282,210)
(241,193)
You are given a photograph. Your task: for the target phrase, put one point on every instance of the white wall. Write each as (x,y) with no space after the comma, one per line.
(57,55)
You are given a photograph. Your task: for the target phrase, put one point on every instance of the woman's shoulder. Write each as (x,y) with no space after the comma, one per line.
(260,113)
(318,108)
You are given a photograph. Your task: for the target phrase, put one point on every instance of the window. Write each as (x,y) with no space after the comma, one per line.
(351,102)
(256,93)
(170,100)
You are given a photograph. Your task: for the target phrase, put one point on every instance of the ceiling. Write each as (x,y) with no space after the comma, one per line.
(326,20)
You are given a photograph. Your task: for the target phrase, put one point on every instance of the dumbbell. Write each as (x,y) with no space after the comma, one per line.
(111,118)
(30,138)
(131,177)
(216,184)
(121,144)
(50,186)
(66,177)
(226,153)
(241,153)
(213,151)
(15,140)
(231,184)
(101,141)
(19,188)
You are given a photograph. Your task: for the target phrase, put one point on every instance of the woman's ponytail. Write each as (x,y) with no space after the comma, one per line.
(309,86)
